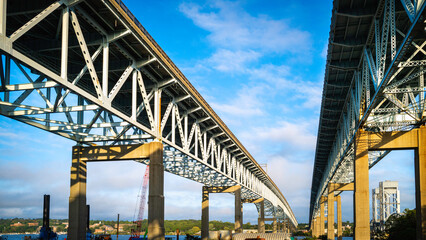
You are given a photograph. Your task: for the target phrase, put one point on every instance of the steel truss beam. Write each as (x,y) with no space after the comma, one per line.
(73,91)
(386,93)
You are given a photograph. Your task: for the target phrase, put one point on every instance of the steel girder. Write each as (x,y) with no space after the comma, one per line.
(386,91)
(89,71)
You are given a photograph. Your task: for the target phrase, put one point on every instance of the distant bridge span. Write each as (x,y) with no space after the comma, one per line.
(90,72)
(373,102)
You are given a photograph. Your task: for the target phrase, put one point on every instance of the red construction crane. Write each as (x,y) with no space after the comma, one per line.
(136,233)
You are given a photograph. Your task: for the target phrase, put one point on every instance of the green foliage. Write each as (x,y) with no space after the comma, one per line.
(189,226)
(398,227)
(403,226)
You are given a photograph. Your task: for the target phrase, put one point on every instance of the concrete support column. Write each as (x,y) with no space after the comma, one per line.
(361,188)
(77,202)
(261,219)
(238,212)
(317,227)
(322,217)
(288,225)
(274,226)
(330,210)
(205,214)
(156,191)
(420,172)
(339,217)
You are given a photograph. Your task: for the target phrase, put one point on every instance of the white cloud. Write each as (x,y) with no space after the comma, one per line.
(294,134)
(294,180)
(231,26)
(248,102)
(232,61)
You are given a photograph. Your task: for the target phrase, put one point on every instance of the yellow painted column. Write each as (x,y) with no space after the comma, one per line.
(330,210)
(317,226)
(420,172)
(361,188)
(77,202)
(322,217)
(205,214)
(339,217)
(274,226)
(156,192)
(238,212)
(261,219)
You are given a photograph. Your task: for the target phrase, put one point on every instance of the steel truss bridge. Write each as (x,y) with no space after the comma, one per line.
(90,72)
(374,81)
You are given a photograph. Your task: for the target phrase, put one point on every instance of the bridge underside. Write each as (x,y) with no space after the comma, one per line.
(374,82)
(90,72)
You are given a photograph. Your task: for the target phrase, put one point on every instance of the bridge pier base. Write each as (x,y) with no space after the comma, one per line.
(315,231)
(361,188)
(330,212)
(274,226)
(339,217)
(322,217)
(261,219)
(238,212)
(420,178)
(77,214)
(205,214)
(156,192)
(205,207)
(77,201)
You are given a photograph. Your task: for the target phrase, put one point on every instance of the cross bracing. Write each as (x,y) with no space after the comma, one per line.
(90,72)
(374,80)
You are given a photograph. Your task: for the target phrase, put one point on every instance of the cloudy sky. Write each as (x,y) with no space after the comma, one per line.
(259,64)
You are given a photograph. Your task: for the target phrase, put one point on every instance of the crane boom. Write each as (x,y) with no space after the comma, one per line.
(136,233)
(143,194)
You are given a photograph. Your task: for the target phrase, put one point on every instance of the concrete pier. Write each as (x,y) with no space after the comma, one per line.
(156,192)
(261,219)
(330,213)
(205,214)
(238,212)
(77,201)
(322,217)
(205,207)
(339,217)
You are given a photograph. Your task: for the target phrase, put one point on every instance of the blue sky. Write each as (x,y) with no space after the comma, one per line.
(259,64)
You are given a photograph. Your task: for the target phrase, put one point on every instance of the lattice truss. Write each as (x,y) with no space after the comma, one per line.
(387,91)
(385,201)
(89,71)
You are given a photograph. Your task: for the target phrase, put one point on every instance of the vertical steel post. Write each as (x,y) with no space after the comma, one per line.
(3,15)
(64,48)
(105,65)
(134,92)
(174,124)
